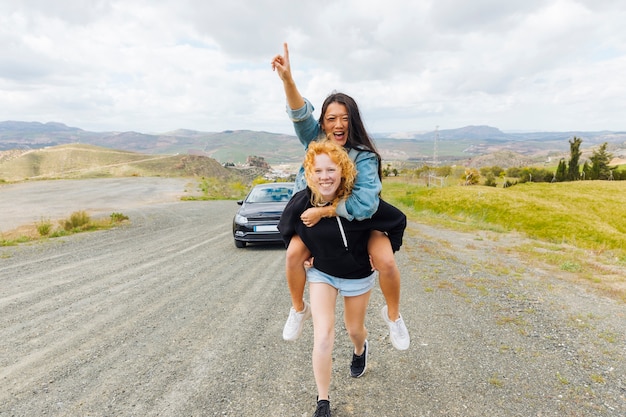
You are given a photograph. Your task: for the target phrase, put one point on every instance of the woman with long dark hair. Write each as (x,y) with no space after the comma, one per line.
(340,121)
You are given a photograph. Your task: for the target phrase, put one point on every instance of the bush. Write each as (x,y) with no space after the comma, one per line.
(490,180)
(118,217)
(77,220)
(532,174)
(471,176)
(215,189)
(44,227)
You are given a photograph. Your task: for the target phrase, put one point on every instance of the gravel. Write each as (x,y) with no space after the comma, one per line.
(165,317)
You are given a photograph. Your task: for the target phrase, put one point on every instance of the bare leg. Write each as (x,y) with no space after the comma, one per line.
(354,319)
(379,248)
(297,253)
(323,300)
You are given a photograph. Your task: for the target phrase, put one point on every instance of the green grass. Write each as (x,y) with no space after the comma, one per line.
(578,228)
(563,380)
(585,214)
(217,189)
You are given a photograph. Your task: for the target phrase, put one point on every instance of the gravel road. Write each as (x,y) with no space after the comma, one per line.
(165,317)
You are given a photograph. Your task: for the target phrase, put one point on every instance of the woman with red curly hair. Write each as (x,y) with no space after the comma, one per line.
(340,263)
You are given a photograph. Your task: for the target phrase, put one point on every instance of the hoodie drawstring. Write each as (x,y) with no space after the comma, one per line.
(343,234)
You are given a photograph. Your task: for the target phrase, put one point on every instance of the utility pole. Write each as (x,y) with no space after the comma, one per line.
(432,173)
(436,147)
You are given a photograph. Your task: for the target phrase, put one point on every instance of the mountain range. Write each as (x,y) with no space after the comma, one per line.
(470,143)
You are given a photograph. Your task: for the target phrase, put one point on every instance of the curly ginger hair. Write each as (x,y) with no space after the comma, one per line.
(339,156)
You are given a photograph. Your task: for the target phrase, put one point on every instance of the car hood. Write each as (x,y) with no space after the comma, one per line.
(260,209)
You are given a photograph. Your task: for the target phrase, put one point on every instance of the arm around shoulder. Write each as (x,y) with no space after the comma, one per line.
(363,202)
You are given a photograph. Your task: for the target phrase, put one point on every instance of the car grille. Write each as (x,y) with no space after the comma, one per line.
(265,217)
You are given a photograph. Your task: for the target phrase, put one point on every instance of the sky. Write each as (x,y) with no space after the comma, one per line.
(412,66)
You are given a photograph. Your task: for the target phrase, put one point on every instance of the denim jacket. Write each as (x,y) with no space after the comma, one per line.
(364,200)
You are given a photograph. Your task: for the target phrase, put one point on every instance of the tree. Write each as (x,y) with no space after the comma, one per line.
(573,173)
(497,170)
(493,170)
(514,172)
(600,159)
(561,171)
(586,171)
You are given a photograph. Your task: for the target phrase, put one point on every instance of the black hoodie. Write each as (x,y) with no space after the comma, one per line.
(332,254)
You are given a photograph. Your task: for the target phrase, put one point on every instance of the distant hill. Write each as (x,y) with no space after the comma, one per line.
(88,161)
(227,146)
(462,145)
(471,142)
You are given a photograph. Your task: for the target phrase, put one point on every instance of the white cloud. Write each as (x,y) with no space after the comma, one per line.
(161,65)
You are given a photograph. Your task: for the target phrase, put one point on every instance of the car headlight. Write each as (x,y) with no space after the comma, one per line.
(240,219)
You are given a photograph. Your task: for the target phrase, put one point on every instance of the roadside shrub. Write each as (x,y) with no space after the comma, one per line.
(77,220)
(239,188)
(216,189)
(259,180)
(44,227)
(118,217)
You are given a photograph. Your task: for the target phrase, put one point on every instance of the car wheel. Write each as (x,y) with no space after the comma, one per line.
(240,244)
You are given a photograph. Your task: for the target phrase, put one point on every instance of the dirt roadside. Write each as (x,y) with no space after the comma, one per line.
(165,317)
(29,202)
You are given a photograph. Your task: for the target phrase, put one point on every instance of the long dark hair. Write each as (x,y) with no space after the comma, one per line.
(358,138)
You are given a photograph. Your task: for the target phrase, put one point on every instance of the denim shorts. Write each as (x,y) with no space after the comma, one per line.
(346,287)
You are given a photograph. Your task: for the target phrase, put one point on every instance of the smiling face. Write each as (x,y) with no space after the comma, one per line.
(329,172)
(335,123)
(326,176)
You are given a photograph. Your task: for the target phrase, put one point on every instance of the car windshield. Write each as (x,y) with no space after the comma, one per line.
(270,194)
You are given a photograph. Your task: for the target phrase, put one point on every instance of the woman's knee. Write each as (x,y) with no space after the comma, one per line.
(297,252)
(356,331)
(324,341)
(384,262)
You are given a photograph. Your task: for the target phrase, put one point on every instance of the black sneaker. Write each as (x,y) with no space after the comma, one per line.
(359,363)
(323,409)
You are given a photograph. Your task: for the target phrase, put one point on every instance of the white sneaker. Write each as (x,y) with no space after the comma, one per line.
(295,322)
(398,333)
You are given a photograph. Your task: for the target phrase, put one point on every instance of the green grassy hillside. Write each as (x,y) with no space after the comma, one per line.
(579,227)
(586,213)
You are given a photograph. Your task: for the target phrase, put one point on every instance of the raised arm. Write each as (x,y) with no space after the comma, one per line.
(299,110)
(281,64)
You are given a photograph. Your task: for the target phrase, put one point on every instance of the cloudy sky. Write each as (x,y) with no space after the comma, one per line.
(160,65)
